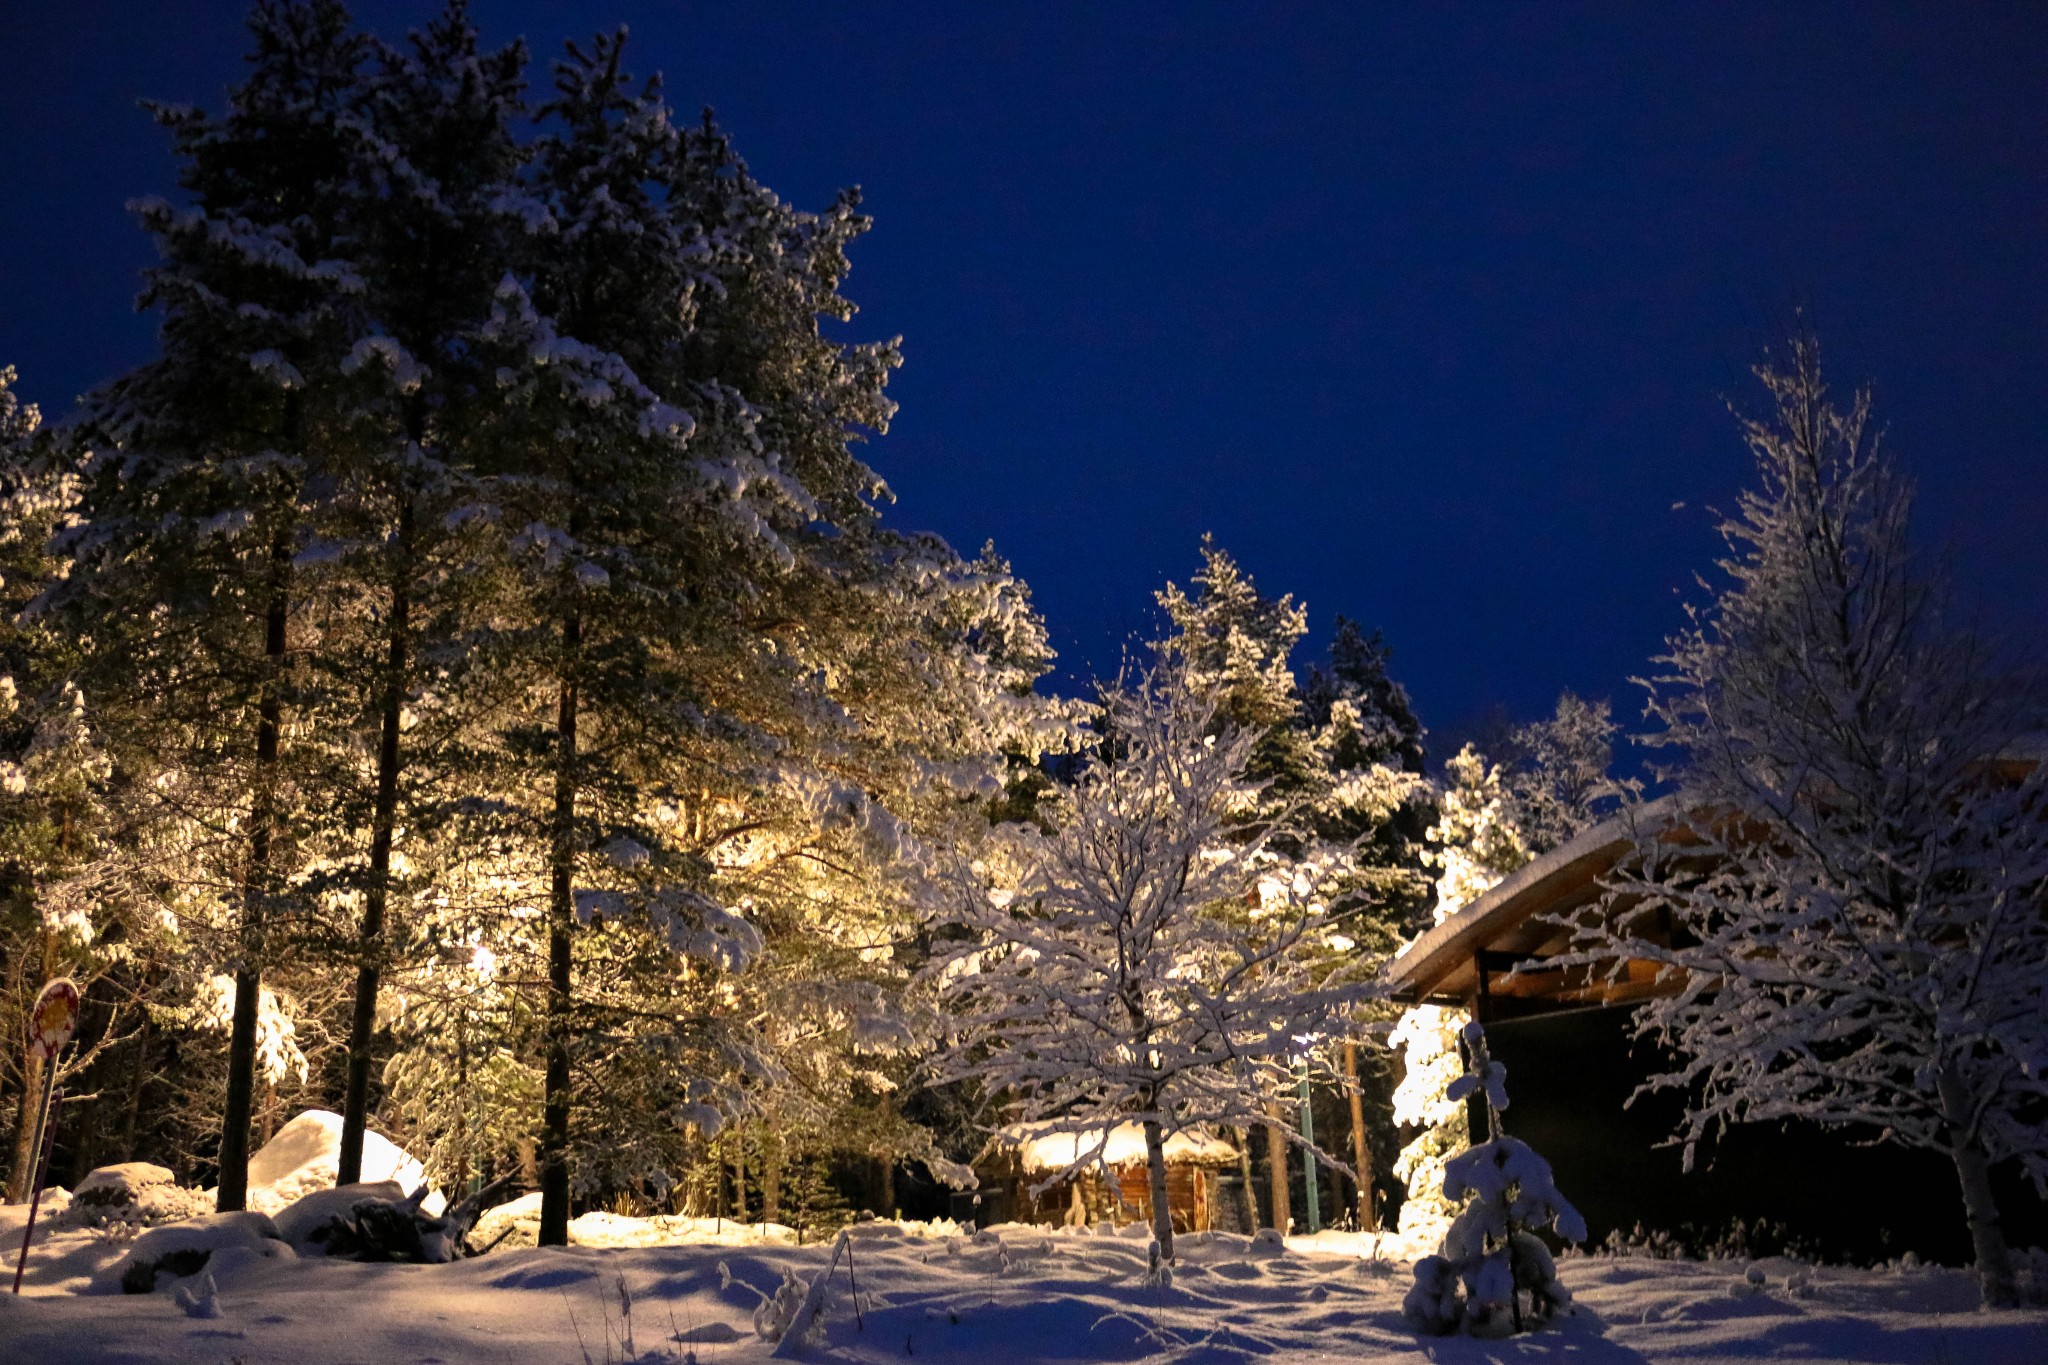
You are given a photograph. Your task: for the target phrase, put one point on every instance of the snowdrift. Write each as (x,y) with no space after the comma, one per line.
(305,1156)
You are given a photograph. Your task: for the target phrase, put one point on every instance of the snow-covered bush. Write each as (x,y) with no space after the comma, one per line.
(177,1250)
(1737,1239)
(2031,1267)
(131,1196)
(1493,1275)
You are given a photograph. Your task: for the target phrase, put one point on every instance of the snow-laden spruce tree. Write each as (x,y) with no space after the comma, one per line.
(1860,938)
(1150,961)
(1493,1275)
(1558,775)
(1476,841)
(210,467)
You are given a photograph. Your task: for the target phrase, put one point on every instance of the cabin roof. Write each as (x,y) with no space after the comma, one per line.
(1514,923)
(1042,1147)
(1513,917)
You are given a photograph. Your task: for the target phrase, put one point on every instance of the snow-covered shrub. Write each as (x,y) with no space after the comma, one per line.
(777,1312)
(134,1195)
(1491,1253)
(176,1250)
(1735,1240)
(2031,1267)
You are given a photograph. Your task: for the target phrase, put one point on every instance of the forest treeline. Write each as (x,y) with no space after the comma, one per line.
(465,678)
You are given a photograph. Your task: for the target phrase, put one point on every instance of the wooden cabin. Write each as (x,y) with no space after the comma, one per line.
(1567,1039)
(1114,1188)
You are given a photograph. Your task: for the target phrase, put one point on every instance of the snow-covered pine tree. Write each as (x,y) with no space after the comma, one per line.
(927,663)
(1475,842)
(1558,773)
(1151,960)
(400,560)
(1867,945)
(51,772)
(1230,638)
(700,566)
(207,472)
(1382,727)
(590,470)
(1370,796)
(1344,754)
(1477,838)
(1493,1275)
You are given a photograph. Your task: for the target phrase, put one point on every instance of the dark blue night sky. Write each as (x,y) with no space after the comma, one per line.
(1429,315)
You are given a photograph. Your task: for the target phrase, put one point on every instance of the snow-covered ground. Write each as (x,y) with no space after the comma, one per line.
(1009,1297)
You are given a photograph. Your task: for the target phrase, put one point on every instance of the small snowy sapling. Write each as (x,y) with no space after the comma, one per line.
(1493,1275)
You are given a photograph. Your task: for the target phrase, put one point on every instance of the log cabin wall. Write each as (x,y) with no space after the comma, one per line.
(1190,1198)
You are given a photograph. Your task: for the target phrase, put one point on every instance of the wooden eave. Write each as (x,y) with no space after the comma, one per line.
(1510,929)
(1513,919)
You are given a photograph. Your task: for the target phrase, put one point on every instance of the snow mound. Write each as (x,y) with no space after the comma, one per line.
(136,1192)
(14,1218)
(121,1184)
(176,1250)
(306,1156)
(600,1229)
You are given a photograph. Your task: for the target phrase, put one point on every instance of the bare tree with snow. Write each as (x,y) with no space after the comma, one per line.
(1147,959)
(1860,939)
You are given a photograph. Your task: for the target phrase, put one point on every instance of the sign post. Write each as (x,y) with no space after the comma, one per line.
(50,1026)
(1308,1162)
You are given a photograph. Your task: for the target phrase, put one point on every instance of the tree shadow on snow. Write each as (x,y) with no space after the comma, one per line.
(1577,1340)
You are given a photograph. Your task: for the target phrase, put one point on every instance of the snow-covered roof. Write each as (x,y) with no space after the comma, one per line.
(1440,963)
(1040,1148)
(1569,872)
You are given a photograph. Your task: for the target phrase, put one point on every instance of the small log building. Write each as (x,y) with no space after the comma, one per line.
(1116,1188)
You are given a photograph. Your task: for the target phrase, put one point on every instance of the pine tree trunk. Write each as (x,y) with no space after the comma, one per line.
(24,1128)
(1980,1205)
(1368,1212)
(355,1111)
(234,1136)
(138,1080)
(1162,1212)
(554,1161)
(1276,1171)
(1244,1172)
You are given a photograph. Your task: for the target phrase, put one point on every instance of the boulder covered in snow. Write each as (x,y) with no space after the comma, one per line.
(515,1223)
(305,1156)
(134,1192)
(173,1251)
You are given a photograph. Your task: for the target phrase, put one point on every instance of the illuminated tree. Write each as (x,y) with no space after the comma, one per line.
(1859,930)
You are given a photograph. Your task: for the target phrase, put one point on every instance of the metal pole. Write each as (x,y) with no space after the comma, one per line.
(1313,1207)
(37,1162)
